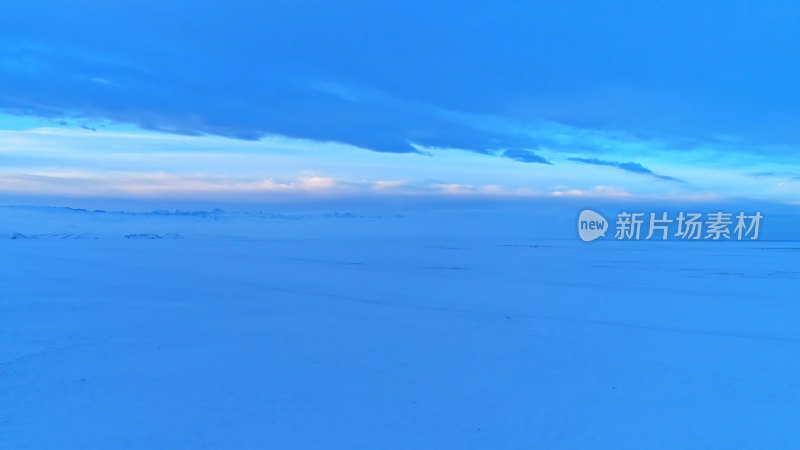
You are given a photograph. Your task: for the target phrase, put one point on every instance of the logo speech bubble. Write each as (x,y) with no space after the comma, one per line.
(591,225)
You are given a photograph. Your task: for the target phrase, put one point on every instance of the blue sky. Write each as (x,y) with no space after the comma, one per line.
(621,99)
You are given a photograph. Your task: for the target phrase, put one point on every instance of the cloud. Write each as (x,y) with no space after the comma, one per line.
(83,183)
(524,156)
(776,174)
(150,184)
(383,185)
(597,191)
(488,190)
(352,73)
(626,166)
(56,83)
(208,162)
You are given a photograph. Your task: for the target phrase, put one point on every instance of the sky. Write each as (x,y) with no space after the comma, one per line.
(238,99)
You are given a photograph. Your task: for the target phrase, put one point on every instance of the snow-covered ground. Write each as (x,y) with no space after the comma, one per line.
(449,328)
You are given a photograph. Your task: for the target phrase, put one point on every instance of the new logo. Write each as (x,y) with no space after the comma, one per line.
(591,225)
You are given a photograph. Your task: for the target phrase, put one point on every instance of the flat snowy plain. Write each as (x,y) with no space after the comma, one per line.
(450,328)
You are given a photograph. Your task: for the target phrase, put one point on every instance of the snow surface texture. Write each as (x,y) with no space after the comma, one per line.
(449,329)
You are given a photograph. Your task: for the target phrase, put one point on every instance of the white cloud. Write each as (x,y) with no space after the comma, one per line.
(69,161)
(86,183)
(384,185)
(597,191)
